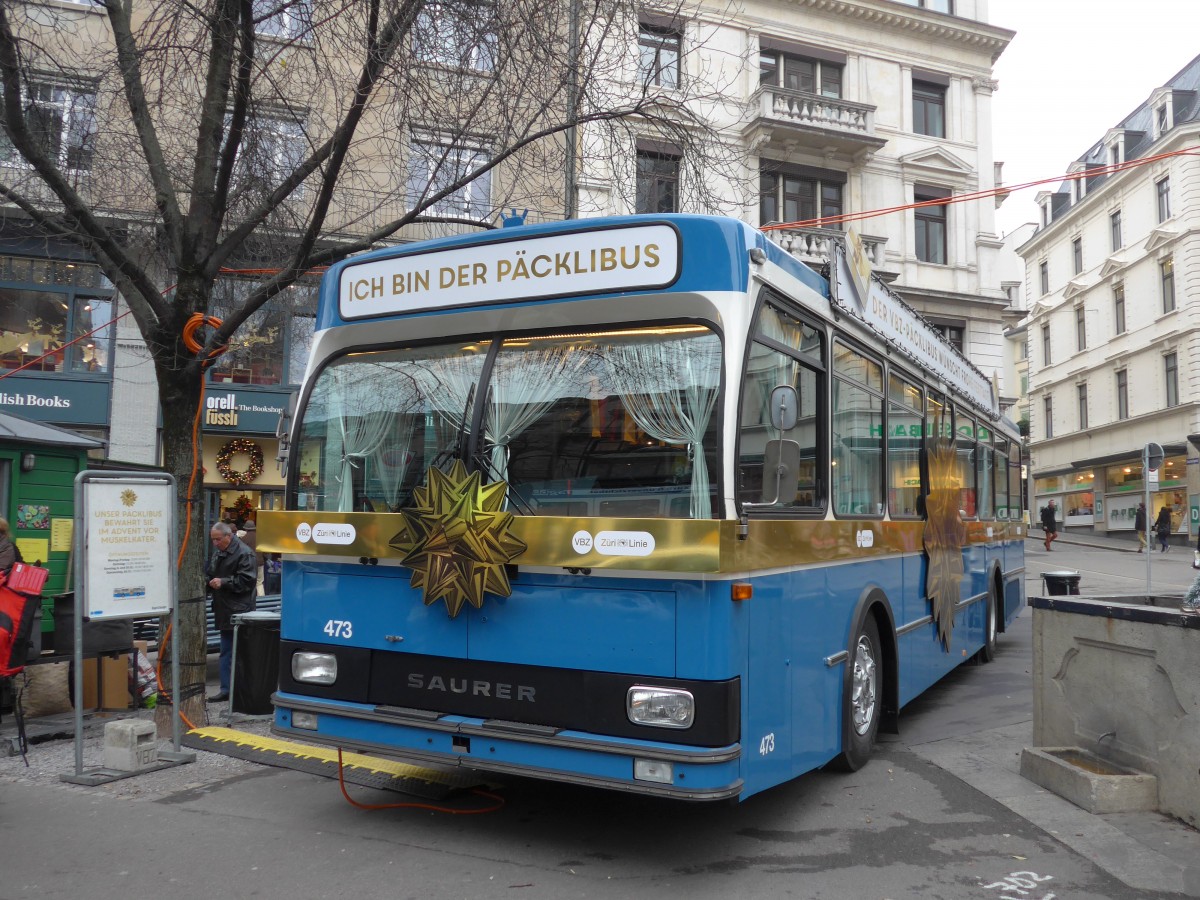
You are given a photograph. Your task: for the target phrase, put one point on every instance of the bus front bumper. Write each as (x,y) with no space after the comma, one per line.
(513,748)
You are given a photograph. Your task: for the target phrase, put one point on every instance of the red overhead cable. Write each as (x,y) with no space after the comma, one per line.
(979,195)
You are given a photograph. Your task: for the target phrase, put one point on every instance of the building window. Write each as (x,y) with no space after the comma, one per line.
(45,305)
(658,55)
(1114,155)
(1114,229)
(1044,277)
(930,224)
(952,333)
(270,151)
(1162,189)
(433,167)
(1118,309)
(62,123)
(1077,255)
(1080,329)
(1081,397)
(1167,276)
(942,6)
(657,182)
(1123,394)
(460,34)
(271,347)
(797,73)
(1045,345)
(929,108)
(1048,412)
(794,197)
(1160,120)
(1171,373)
(282,18)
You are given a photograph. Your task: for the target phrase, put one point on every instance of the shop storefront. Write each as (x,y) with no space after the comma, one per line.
(56,338)
(1126,488)
(241,475)
(1102,495)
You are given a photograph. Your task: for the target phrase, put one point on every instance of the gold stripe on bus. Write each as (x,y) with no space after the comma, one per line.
(667,545)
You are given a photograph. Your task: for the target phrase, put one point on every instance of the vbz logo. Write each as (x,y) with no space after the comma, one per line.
(865,538)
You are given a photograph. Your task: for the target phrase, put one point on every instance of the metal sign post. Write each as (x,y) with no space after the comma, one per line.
(125,544)
(1152,458)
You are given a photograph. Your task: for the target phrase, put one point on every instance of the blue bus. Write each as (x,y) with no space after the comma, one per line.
(641,503)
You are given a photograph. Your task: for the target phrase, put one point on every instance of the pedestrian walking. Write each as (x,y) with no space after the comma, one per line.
(1050,523)
(1162,529)
(1139,525)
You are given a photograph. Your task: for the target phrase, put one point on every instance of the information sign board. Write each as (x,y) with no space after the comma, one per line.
(128,532)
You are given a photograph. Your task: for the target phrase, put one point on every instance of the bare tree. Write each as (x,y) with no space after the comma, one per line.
(283,135)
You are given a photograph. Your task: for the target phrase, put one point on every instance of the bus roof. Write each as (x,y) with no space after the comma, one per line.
(549,262)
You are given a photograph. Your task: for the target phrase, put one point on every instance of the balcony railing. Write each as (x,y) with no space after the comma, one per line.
(814,246)
(795,113)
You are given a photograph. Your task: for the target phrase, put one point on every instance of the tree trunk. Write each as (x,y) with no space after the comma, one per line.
(181,392)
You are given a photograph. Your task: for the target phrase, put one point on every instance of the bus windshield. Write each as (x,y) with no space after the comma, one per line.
(615,423)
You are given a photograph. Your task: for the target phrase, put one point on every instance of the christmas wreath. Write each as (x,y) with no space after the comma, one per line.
(232,449)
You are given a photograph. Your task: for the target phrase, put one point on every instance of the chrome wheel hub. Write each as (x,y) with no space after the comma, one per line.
(864,687)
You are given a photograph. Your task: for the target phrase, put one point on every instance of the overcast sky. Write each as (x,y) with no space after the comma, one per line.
(1075,69)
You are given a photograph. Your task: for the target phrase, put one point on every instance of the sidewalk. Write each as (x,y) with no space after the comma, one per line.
(1145,850)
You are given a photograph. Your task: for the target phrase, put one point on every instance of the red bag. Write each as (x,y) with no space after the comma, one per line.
(20,595)
(26,579)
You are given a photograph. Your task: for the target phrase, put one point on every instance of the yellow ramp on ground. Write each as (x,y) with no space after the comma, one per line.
(357,768)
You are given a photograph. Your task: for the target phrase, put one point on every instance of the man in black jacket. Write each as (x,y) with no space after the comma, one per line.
(232,579)
(1050,523)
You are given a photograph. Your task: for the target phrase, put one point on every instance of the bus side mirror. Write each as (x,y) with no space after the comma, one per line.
(785,407)
(782,457)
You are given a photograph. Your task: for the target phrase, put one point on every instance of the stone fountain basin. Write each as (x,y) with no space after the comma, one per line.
(1091,783)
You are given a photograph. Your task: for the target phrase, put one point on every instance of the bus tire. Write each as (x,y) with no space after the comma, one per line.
(991,625)
(862,698)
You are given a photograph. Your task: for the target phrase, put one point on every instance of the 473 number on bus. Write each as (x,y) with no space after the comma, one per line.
(339,628)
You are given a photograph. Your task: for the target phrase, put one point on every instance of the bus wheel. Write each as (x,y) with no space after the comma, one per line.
(862,700)
(988,651)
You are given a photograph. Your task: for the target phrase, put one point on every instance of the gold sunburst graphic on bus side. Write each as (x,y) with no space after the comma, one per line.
(944,537)
(456,539)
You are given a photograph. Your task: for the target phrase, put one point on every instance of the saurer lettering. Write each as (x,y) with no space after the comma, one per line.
(476,688)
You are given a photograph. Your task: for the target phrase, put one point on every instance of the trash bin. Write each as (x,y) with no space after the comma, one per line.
(256,662)
(1060,584)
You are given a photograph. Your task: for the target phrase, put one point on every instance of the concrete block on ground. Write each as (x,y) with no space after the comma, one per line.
(130,745)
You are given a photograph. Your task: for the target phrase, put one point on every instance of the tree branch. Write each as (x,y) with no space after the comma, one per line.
(139,111)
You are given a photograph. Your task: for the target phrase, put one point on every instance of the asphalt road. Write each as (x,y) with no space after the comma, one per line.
(902,827)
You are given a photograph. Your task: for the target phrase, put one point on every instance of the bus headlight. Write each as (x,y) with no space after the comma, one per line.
(660,707)
(314,668)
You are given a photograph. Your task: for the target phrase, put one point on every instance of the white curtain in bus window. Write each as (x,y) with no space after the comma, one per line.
(1000,478)
(965,452)
(984,463)
(857,451)
(857,421)
(526,382)
(905,413)
(616,424)
(671,389)
(377,421)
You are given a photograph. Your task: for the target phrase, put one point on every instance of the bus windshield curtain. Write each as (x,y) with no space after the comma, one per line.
(525,384)
(670,389)
(363,434)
